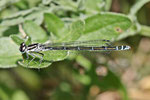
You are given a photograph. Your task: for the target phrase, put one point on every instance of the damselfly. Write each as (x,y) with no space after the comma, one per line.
(92,45)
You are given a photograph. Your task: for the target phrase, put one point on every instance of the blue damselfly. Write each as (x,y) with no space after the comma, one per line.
(92,45)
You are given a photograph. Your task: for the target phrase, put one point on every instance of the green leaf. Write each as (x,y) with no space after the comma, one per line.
(133,30)
(38,14)
(16,18)
(6,3)
(35,14)
(11,22)
(34,64)
(21,5)
(93,6)
(46,2)
(75,31)
(67,4)
(16,39)
(9,53)
(3,30)
(49,57)
(35,32)
(7,31)
(54,24)
(33,3)
(105,26)
(20,13)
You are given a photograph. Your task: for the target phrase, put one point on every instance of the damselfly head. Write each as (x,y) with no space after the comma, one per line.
(22,47)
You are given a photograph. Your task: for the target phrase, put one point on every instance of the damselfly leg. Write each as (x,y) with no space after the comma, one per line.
(34,55)
(27,55)
(41,58)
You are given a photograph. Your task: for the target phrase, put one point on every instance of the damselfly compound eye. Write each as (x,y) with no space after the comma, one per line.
(22,47)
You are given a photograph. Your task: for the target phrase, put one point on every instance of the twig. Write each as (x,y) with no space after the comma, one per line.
(22,31)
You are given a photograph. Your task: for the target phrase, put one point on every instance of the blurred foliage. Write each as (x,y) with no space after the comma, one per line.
(64,76)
